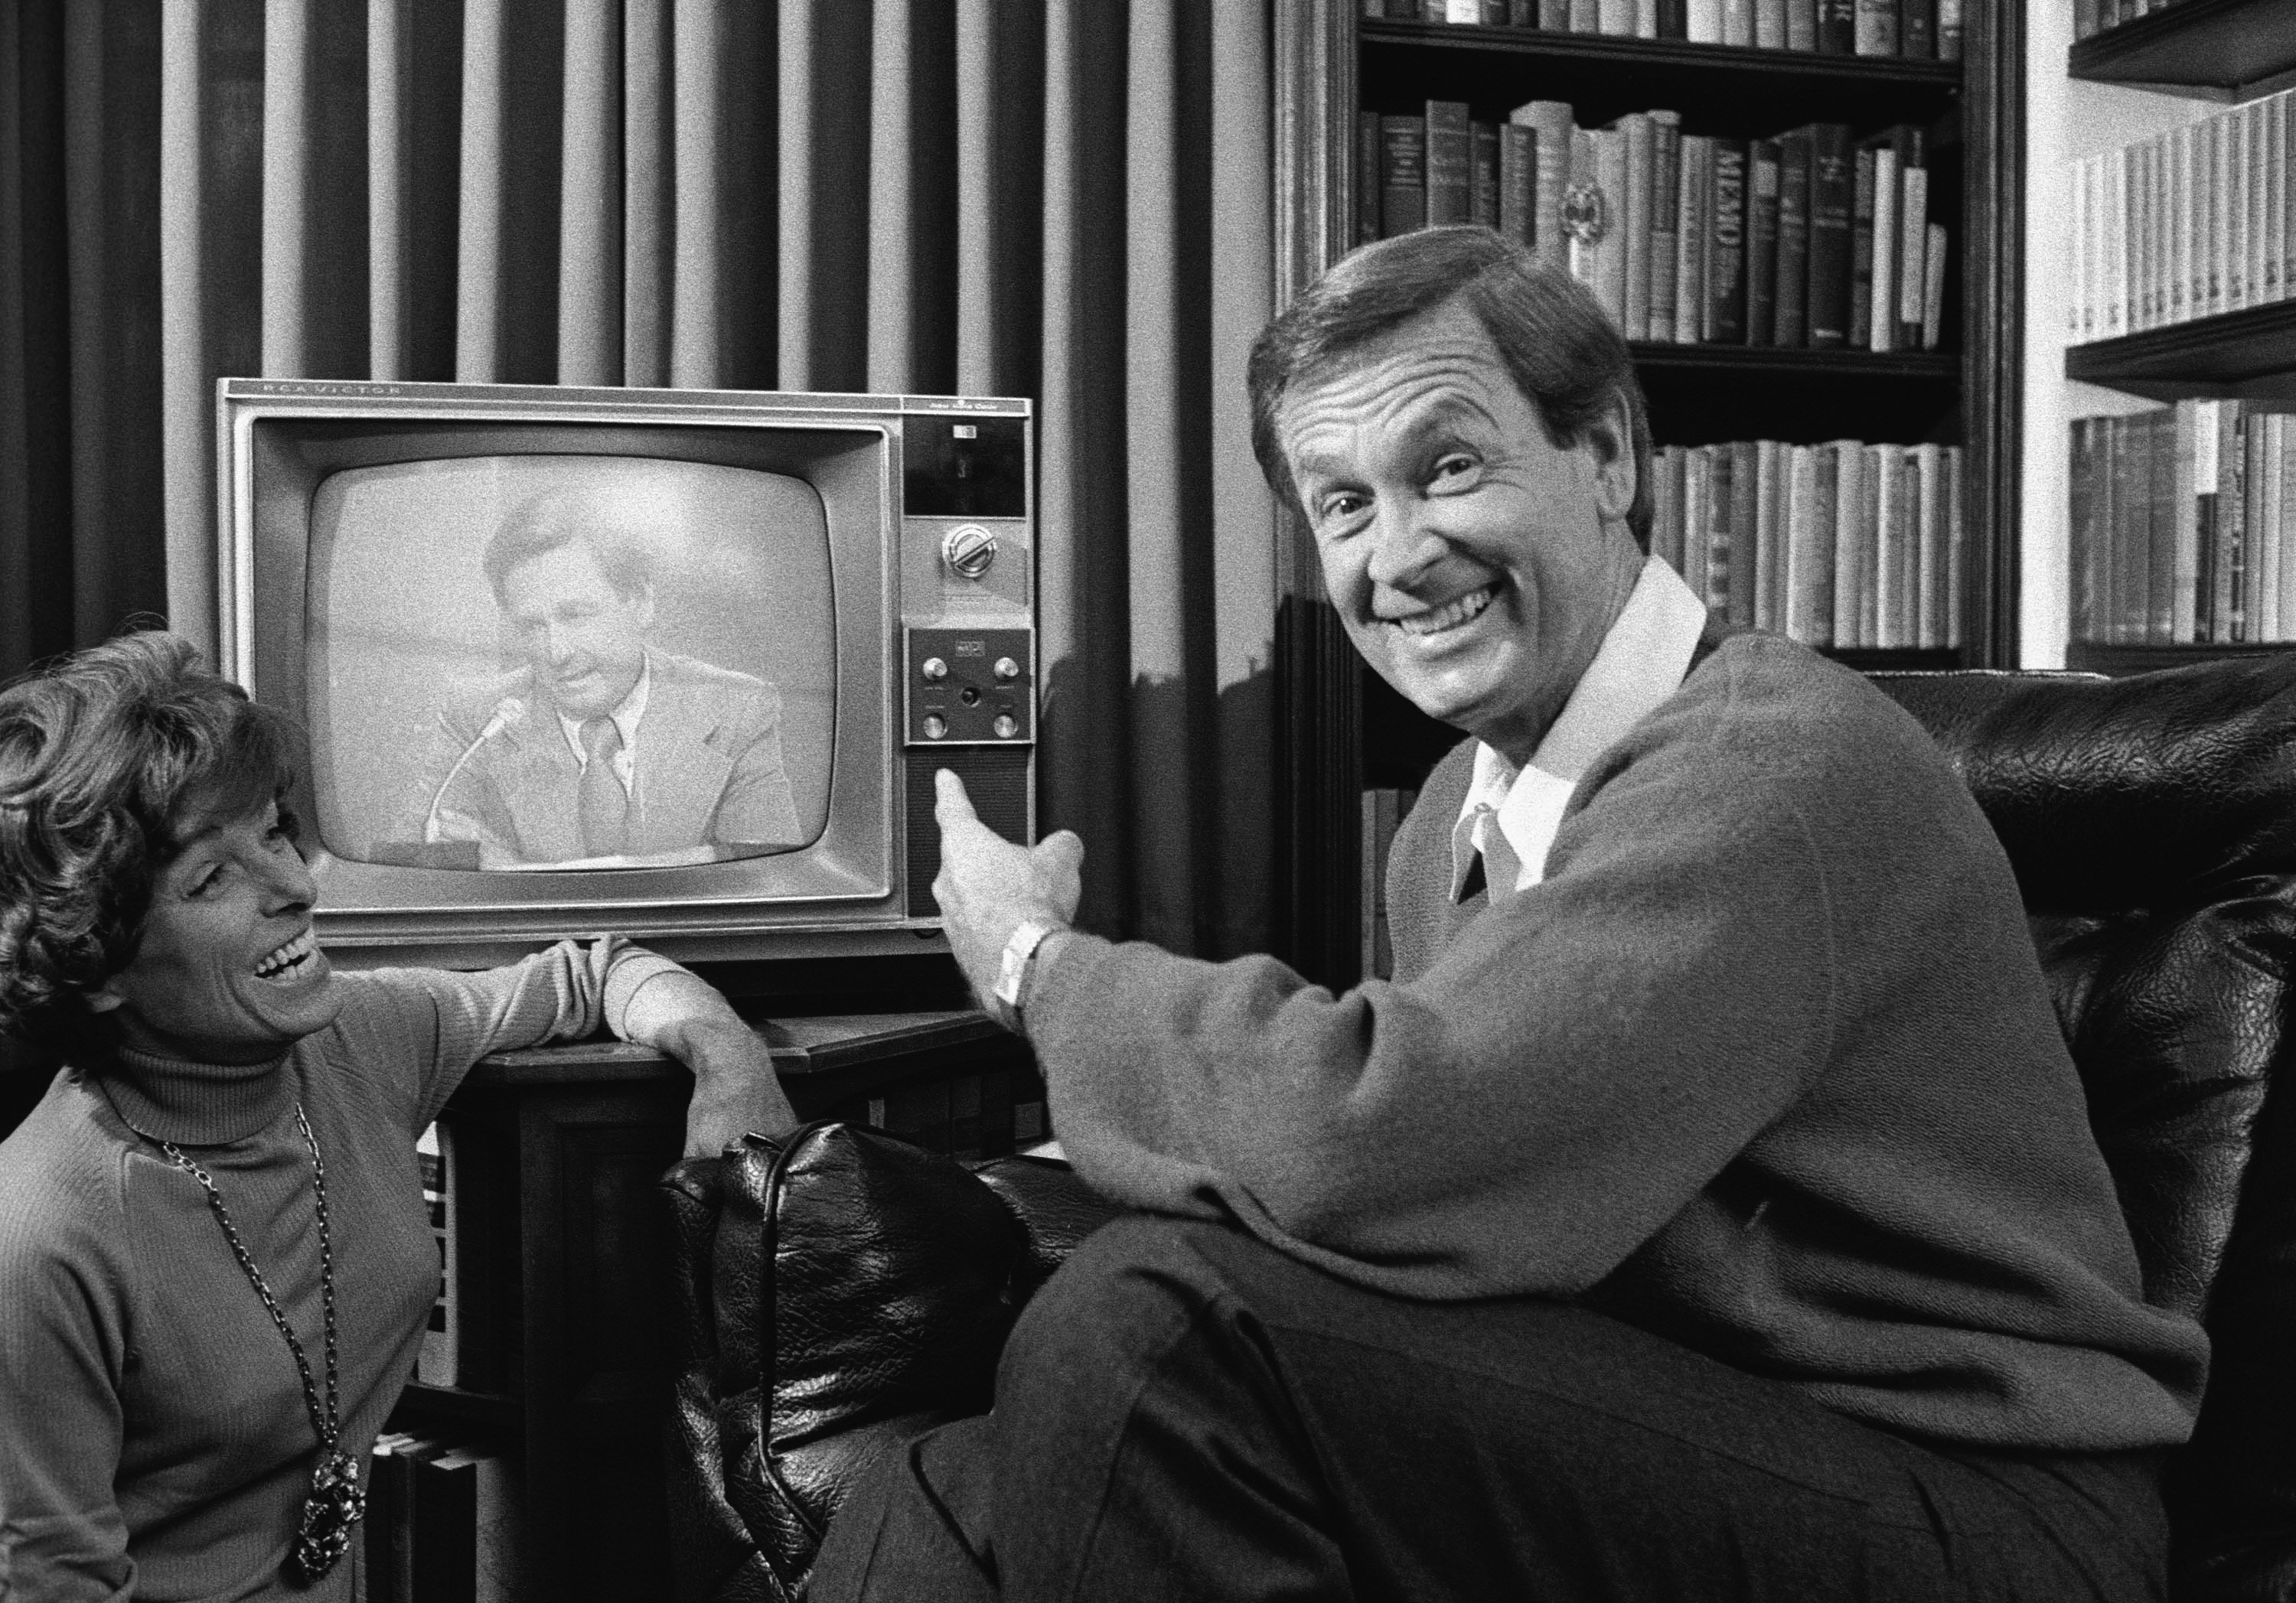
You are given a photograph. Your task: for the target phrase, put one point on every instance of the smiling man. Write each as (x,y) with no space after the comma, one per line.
(603,748)
(1707,1207)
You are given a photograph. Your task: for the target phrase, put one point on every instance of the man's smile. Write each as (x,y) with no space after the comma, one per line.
(1454,613)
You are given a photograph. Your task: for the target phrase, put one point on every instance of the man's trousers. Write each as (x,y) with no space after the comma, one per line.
(1183,1413)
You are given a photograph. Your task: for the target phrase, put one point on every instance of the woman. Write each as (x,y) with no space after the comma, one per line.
(214,1266)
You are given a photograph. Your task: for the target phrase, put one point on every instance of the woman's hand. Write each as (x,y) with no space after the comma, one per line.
(735,1090)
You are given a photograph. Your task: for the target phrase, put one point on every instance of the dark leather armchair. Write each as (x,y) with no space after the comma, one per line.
(844,1289)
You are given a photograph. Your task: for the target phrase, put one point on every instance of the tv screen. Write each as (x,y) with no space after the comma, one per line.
(478,626)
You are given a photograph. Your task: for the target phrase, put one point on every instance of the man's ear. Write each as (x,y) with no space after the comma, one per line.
(1611,439)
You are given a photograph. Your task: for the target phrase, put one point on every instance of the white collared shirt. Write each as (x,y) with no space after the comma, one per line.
(626,718)
(1510,816)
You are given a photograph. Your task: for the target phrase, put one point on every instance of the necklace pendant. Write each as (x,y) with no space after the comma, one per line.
(335,1504)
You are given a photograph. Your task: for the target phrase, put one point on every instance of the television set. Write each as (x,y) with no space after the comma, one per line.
(679,663)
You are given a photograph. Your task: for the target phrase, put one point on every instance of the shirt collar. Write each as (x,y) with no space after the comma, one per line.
(1640,663)
(626,716)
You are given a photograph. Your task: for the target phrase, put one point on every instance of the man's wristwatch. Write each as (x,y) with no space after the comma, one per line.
(1013,972)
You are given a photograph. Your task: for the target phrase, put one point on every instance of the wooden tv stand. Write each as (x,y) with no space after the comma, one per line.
(568,1290)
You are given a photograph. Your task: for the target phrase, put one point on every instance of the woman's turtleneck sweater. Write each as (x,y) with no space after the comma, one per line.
(154,1442)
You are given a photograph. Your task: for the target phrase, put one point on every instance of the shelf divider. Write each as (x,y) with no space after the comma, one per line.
(2247,352)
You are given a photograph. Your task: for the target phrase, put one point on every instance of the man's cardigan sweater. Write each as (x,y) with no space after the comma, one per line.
(153,1438)
(1764,1065)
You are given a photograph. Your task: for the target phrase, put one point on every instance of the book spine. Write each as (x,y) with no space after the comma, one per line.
(1948,34)
(1791,328)
(1801,25)
(1615,17)
(1887,467)
(1770,515)
(1697,514)
(1832,199)
(1693,228)
(1550,121)
(1702,22)
(1666,505)
(445,1548)
(1933,271)
(1674,19)
(1769,24)
(1888,191)
(1762,162)
(437,1361)
(1912,261)
(2081,502)
(1554,15)
(1917,30)
(1483,198)
(2271,529)
(1450,164)
(1721,505)
(1861,251)
(2232,516)
(1666,216)
(1837,27)
(1745,531)
(1877,27)
(1586,16)
(1403,175)
(1930,537)
(1726,287)
(1850,521)
(1639,135)
(1805,576)
(1607,262)
(2260,177)
(1738,23)
(1518,183)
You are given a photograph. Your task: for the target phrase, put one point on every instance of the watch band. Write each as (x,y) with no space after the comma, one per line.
(1012,971)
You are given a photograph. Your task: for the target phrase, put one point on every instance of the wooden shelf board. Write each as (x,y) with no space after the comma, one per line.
(2097,657)
(1846,363)
(489,1409)
(2257,343)
(2209,44)
(1657,53)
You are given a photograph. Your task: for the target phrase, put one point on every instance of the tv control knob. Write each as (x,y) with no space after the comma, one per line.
(934,670)
(1005,727)
(968,549)
(936,726)
(1006,669)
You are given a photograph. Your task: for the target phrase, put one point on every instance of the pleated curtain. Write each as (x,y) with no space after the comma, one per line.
(1067,199)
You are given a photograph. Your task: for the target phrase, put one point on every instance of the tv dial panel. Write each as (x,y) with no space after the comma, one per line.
(969,645)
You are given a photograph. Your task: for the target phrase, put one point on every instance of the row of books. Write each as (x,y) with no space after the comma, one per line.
(1807,239)
(1383,812)
(1919,30)
(2094,16)
(442,1522)
(1844,543)
(2189,224)
(2182,523)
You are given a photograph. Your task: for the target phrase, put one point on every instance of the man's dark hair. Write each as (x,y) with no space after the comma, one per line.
(550,522)
(1552,335)
(109,761)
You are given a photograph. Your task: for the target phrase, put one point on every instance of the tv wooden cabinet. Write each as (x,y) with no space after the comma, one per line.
(561,1148)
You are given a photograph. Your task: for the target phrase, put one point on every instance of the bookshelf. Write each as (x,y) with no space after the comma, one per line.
(1343,732)
(2173,93)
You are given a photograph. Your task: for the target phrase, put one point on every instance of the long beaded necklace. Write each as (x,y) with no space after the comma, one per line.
(335,1502)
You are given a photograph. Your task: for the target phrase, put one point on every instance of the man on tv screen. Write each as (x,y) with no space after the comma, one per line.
(602,749)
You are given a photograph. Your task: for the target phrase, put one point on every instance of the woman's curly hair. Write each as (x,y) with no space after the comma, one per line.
(110,759)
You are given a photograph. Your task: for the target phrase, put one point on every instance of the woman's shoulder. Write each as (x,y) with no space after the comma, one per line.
(60,1176)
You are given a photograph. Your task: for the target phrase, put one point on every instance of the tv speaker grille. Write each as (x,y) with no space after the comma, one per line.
(997,779)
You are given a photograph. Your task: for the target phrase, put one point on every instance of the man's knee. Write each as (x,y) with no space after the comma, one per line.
(1136,1287)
